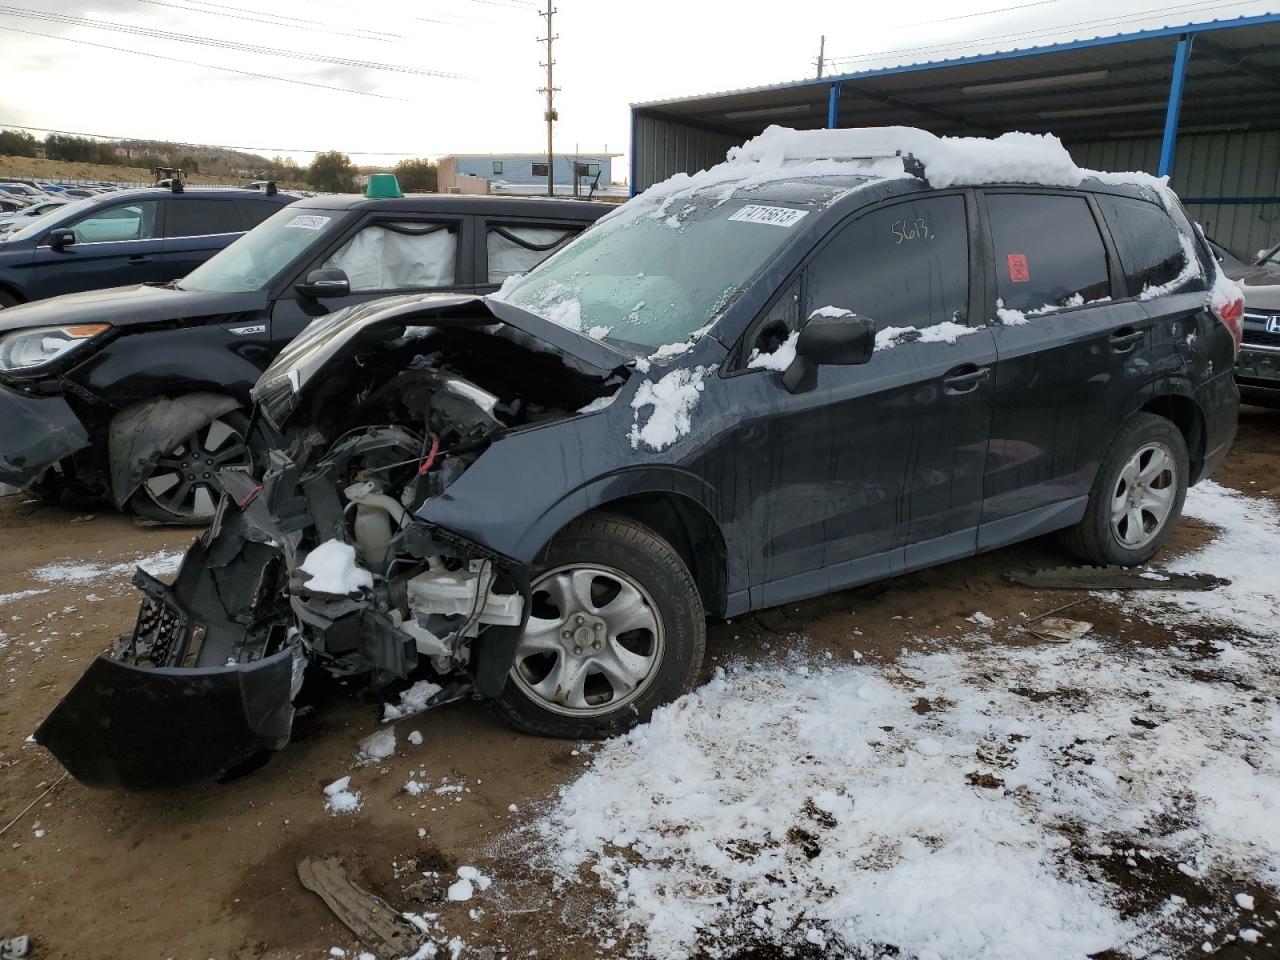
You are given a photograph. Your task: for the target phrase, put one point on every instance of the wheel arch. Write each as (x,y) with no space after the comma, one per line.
(1184,413)
(140,433)
(10,290)
(691,530)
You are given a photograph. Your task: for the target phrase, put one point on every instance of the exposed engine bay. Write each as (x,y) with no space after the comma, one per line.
(316,559)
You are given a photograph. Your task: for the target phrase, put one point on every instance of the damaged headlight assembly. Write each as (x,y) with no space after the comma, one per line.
(25,350)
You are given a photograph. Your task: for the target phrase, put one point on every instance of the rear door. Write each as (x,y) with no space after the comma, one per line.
(116,245)
(512,246)
(381,256)
(195,228)
(1066,334)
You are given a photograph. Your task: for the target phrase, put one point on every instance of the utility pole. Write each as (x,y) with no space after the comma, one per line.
(550,90)
(822,52)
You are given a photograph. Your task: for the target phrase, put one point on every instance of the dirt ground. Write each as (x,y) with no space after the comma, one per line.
(210,873)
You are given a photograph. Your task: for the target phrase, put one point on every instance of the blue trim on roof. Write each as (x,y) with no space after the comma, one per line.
(1118,38)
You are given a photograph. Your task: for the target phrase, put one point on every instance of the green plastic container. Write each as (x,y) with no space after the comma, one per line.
(383,186)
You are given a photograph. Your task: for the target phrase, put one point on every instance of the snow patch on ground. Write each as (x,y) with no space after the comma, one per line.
(414,700)
(793,803)
(19,595)
(163,563)
(377,746)
(340,798)
(333,569)
(672,400)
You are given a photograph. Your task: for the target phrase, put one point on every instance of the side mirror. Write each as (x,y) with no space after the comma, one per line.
(59,239)
(840,340)
(330,282)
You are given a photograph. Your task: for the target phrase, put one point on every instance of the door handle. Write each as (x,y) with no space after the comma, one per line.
(138,261)
(964,379)
(1125,339)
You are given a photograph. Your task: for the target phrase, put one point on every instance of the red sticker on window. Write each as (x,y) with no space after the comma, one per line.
(1018,271)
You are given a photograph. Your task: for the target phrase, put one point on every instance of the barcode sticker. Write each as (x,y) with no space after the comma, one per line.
(776,216)
(308,221)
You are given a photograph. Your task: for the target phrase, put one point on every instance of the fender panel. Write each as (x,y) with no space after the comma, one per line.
(141,433)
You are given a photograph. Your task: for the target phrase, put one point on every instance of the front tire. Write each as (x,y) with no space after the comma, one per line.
(1136,497)
(183,487)
(616,629)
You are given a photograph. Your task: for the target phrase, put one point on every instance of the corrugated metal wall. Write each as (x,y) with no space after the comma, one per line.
(1229,165)
(665,147)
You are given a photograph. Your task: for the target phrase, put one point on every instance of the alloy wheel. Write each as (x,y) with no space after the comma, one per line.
(1144,496)
(184,482)
(593,644)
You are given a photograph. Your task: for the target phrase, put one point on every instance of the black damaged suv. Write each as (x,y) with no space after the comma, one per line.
(754,388)
(140,394)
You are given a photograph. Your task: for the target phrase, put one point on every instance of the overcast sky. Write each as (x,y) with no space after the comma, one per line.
(476,62)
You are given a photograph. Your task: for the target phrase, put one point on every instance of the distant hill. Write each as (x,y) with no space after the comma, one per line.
(216,161)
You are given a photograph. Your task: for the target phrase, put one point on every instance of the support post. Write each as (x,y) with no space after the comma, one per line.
(833,106)
(1174,109)
(632,160)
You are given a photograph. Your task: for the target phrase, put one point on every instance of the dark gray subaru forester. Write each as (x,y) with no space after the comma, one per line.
(787,375)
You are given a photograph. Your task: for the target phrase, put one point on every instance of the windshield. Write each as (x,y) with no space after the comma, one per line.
(67,211)
(254,260)
(649,276)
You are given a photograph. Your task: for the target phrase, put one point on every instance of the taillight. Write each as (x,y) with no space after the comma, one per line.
(1231,313)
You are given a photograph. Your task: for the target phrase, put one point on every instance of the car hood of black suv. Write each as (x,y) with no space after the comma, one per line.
(127,307)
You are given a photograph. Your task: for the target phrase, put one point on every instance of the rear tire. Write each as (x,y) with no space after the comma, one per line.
(1136,497)
(617,629)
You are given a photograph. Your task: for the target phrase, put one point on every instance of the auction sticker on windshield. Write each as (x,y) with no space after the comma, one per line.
(777,216)
(308,221)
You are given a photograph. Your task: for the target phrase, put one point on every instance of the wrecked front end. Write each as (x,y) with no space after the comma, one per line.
(319,561)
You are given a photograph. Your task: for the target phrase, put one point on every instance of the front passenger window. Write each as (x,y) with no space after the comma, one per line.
(399,256)
(130,221)
(905,265)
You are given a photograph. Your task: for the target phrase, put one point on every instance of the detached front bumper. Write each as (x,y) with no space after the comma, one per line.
(35,433)
(203,686)
(137,728)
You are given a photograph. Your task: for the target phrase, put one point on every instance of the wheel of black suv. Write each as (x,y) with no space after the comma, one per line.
(1136,497)
(183,487)
(616,629)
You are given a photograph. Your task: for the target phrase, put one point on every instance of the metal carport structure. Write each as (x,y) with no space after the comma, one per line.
(1200,102)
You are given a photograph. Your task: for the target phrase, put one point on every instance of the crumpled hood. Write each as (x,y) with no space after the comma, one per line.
(127,307)
(325,339)
(1261,289)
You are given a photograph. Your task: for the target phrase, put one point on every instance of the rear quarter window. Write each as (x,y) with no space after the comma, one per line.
(195,217)
(1048,251)
(1147,242)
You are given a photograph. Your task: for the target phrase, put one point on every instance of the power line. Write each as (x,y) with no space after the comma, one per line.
(970,16)
(1047,31)
(237,46)
(383,38)
(220,146)
(196,63)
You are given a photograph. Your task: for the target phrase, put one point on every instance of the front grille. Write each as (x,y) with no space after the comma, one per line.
(1255,329)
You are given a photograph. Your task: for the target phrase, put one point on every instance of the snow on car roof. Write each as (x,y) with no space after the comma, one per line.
(881,153)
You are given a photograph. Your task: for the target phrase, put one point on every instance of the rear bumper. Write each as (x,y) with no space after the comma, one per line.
(35,433)
(1219,401)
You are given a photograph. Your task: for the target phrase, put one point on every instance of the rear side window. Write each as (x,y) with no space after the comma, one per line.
(905,265)
(514,249)
(198,218)
(1149,246)
(1048,252)
(253,212)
